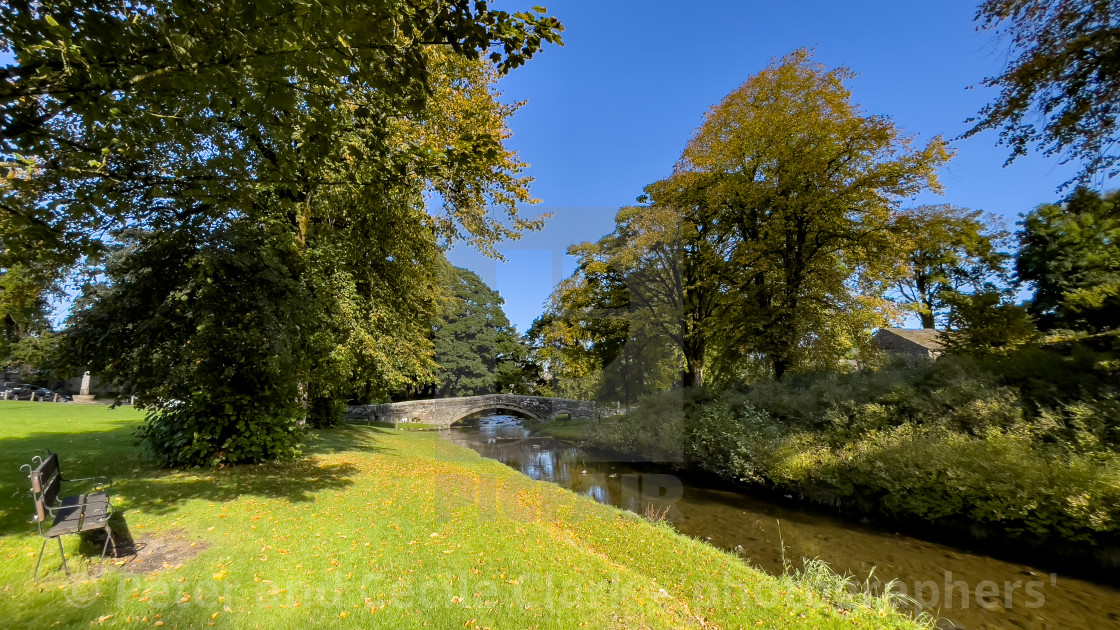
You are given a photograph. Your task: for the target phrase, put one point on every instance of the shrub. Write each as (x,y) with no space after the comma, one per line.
(732,438)
(964,440)
(325,411)
(654,430)
(214,430)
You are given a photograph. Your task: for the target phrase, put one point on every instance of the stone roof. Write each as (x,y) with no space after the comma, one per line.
(925,337)
(923,341)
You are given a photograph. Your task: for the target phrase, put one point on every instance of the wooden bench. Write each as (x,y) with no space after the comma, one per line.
(69,514)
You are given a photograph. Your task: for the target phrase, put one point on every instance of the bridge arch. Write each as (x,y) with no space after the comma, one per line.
(446,411)
(459,414)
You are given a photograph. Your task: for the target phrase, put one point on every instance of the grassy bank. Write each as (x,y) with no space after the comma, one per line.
(563,430)
(374,527)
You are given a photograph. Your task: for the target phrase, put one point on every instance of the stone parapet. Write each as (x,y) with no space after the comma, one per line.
(447,411)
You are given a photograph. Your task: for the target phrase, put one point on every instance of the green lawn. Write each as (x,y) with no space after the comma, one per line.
(565,430)
(374,527)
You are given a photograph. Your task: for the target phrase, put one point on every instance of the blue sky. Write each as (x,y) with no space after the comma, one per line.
(611,111)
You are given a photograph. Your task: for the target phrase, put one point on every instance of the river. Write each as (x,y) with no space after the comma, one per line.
(964,589)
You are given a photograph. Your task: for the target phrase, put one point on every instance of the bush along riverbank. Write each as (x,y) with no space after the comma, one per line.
(1023,450)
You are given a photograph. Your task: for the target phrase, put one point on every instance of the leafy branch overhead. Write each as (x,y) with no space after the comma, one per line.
(1060,90)
(114,117)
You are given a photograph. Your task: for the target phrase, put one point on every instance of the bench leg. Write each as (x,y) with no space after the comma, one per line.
(63,554)
(105,547)
(35,575)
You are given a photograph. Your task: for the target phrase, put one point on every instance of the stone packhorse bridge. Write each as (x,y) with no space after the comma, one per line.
(447,411)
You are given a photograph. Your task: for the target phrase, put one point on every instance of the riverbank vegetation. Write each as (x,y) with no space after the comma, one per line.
(1022,448)
(374,528)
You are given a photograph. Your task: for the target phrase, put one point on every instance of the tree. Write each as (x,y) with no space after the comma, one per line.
(311,140)
(476,349)
(559,366)
(23,306)
(205,326)
(1064,73)
(804,184)
(639,296)
(772,237)
(947,249)
(1069,253)
(26,333)
(614,329)
(986,322)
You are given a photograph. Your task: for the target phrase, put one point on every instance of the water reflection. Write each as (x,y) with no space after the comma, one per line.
(967,589)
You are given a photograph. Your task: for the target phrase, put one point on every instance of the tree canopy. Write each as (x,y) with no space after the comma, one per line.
(476,348)
(118,115)
(986,321)
(261,175)
(612,328)
(804,182)
(24,308)
(1060,90)
(773,237)
(947,249)
(1069,253)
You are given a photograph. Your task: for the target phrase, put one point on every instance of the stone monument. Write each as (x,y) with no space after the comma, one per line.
(84,396)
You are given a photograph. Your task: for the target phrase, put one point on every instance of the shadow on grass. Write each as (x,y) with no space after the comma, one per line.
(142,485)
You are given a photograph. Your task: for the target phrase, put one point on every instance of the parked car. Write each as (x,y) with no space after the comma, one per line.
(47,395)
(23,391)
(20,391)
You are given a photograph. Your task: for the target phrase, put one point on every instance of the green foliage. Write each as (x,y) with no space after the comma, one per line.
(654,431)
(476,348)
(35,356)
(205,327)
(222,428)
(947,249)
(279,257)
(986,321)
(324,411)
(731,438)
(1069,252)
(1060,89)
(25,330)
(635,308)
(120,113)
(988,441)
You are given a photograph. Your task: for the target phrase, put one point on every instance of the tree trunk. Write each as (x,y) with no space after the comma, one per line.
(927,319)
(693,375)
(780,365)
